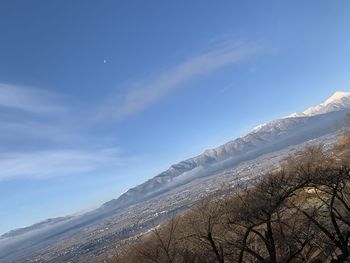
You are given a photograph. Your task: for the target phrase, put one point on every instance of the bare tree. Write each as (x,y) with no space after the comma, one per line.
(206,228)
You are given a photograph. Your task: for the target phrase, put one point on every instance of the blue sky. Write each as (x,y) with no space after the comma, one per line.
(98,96)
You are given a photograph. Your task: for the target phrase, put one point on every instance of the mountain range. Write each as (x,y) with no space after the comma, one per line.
(268,136)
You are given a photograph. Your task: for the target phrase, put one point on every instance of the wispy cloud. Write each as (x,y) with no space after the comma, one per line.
(44,164)
(144,93)
(39,139)
(27,99)
(28,115)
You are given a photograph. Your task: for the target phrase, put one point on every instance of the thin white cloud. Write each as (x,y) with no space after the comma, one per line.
(44,164)
(38,139)
(32,117)
(145,93)
(27,99)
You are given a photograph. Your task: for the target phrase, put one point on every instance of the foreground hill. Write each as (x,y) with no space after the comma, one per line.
(231,165)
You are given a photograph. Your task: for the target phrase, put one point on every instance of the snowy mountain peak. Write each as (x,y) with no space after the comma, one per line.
(337,97)
(338,101)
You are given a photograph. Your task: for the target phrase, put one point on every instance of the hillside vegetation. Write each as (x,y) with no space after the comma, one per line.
(300,213)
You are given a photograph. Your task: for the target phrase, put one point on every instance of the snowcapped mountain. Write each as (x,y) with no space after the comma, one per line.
(338,101)
(274,135)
